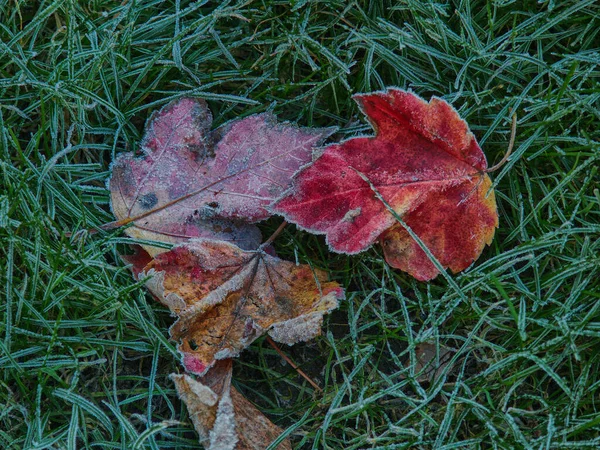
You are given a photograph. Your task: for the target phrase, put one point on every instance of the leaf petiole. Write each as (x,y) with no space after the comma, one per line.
(275,234)
(511,144)
(291,363)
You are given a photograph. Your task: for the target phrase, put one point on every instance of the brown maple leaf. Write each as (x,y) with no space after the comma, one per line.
(223,418)
(194,183)
(226,297)
(424,163)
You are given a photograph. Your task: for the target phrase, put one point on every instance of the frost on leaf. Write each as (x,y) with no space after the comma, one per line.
(226,297)
(426,165)
(223,418)
(194,183)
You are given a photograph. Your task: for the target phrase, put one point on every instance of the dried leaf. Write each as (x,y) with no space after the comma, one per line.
(427,166)
(192,183)
(223,418)
(226,297)
(431,362)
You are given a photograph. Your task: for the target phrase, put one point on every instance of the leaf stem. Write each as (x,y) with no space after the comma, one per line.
(275,234)
(511,144)
(291,363)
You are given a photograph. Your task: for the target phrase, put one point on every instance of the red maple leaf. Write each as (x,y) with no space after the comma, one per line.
(425,163)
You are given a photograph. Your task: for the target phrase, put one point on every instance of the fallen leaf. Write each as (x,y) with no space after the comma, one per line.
(193,183)
(425,163)
(223,418)
(226,297)
(431,362)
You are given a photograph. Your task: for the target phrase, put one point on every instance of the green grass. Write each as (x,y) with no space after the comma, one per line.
(84,351)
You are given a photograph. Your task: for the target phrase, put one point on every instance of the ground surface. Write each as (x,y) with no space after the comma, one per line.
(84,353)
